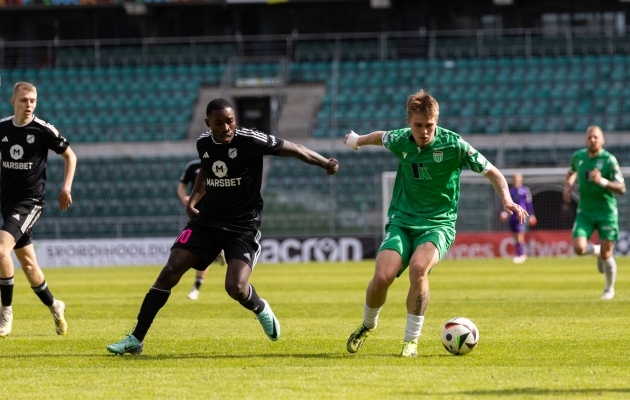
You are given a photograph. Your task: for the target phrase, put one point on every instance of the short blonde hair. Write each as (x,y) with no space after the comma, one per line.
(29,87)
(594,127)
(423,103)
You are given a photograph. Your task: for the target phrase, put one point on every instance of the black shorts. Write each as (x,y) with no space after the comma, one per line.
(208,241)
(19,222)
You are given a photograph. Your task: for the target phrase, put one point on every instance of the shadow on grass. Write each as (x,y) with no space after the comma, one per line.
(529,392)
(148,356)
(326,356)
(323,356)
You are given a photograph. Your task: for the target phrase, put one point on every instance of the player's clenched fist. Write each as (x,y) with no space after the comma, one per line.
(332,167)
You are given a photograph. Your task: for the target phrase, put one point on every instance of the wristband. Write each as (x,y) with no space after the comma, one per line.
(603,182)
(352,140)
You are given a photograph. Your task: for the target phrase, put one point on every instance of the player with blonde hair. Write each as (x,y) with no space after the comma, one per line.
(422,212)
(24,144)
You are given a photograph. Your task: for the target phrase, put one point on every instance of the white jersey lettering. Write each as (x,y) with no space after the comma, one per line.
(17,165)
(223,182)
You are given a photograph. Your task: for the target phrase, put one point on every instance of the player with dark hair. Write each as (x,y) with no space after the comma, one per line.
(227,219)
(24,144)
(189,175)
(422,212)
(522,196)
(599,179)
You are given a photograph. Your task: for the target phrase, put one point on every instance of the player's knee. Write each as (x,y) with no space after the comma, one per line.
(383,280)
(169,276)
(419,270)
(237,290)
(28,268)
(579,249)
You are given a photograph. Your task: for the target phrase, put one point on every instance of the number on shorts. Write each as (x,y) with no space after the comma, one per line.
(184,236)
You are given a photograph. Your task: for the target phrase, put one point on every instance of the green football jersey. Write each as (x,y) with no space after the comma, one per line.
(594,199)
(426,189)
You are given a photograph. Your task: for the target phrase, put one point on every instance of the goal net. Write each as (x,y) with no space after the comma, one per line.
(481,233)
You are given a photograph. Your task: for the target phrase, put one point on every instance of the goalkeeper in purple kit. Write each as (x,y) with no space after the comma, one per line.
(522,196)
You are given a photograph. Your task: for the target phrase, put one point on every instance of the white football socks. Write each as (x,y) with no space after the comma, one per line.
(370,316)
(591,249)
(414,327)
(610,272)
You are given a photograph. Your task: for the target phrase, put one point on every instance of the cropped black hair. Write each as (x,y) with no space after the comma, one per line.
(217,104)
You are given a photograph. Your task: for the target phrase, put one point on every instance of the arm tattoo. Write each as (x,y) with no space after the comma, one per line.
(500,185)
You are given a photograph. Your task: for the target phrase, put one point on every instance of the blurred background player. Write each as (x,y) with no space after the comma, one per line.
(420,227)
(24,144)
(522,196)
(188,176)
(599,179)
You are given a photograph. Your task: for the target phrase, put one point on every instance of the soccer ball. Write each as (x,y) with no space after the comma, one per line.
(459,336)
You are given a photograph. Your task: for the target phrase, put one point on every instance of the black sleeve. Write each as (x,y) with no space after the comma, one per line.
(273,145)
(190,173)
(55,141)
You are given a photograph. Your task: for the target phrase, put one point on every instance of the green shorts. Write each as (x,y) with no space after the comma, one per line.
(607,227)
(405,240)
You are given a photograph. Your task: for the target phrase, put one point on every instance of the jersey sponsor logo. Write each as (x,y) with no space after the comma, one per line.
(247,256)
(17,165)
(16,152)
(223,182)
(219,169)
(4,139)
(438,156)
(404,154)
(420,171)
(232,153)
(30,139)
(16,216)
(205,155)
(600,165)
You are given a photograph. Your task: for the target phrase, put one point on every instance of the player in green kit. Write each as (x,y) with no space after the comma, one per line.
(422,212)
(599,179)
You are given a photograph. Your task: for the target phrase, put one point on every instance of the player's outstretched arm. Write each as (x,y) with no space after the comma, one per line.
(569,180)
(355,141)
(500,185)
(198,191)
(65,196)
(290,149)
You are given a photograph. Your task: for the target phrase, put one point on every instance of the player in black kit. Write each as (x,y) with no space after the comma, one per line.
(189,175)
(227,219)
(24,144)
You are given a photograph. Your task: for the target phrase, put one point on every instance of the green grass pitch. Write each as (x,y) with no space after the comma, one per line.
(544,333)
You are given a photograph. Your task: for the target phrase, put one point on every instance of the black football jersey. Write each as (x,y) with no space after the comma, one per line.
(234,176)
(190,172)
(24,152)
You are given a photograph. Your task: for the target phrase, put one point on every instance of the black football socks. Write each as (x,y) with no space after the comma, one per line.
(253,302)
(153,302)
(44,294)
(6,291)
